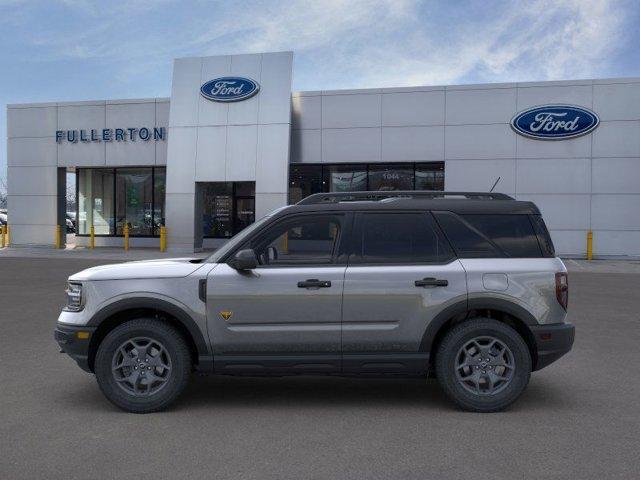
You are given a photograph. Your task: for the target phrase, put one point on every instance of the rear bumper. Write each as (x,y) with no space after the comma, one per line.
(552,342)
(77,347)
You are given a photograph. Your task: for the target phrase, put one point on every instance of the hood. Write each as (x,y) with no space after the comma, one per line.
(164,268)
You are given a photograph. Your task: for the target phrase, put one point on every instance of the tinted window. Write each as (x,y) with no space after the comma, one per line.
(487,235)
(308,240)
(399,238)
(511,233)
(544,239)
(467,242)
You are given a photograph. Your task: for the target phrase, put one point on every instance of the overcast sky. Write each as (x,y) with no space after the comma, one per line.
(81,49)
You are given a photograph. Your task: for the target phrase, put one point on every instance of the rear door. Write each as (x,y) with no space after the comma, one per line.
(401,274)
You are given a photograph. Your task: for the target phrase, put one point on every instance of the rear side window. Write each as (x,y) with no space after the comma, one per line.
(489,235)
(544,239)
(467,241)
(513,234)
(399,238)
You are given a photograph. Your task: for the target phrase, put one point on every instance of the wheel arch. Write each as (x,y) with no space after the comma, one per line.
(116,313)
(504,311)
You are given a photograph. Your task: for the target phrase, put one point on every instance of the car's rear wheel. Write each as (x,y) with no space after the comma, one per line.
(483,365)
(143,365)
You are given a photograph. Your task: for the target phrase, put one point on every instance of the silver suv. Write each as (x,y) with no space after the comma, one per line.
(465,287)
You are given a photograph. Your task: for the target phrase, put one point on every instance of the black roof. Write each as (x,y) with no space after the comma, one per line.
(457,202)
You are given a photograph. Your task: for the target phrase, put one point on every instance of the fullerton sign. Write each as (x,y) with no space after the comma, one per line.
(555,122)
(111,135)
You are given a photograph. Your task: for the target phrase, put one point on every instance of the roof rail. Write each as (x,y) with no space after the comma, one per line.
(374,196)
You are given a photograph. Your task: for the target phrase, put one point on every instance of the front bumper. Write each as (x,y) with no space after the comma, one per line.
(552,342)
(74,341)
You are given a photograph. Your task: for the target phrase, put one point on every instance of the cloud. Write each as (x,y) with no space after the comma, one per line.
(350,43)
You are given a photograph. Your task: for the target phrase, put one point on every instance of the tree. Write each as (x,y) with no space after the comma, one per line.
(3,193)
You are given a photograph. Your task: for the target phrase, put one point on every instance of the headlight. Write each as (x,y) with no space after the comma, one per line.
(74,297)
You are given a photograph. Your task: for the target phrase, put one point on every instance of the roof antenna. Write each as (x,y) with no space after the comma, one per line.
(494,185)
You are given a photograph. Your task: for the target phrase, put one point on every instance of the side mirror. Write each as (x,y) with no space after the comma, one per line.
(244,260)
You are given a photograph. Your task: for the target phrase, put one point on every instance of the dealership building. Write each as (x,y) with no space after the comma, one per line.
(233,142)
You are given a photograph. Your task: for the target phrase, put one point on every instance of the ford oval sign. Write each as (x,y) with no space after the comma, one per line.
(229,89)
(555,122)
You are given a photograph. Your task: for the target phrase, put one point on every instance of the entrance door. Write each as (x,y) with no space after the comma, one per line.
(244,213)
(401,274)
(285,314)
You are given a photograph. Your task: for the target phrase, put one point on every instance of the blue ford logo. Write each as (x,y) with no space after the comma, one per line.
(229,89)
(555,122)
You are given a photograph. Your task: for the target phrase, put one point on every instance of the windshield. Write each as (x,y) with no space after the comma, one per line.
(237,240)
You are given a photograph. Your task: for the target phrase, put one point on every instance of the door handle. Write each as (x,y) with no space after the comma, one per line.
(431,282)
(314,283)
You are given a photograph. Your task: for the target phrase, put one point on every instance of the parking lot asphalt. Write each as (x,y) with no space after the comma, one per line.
(579,418)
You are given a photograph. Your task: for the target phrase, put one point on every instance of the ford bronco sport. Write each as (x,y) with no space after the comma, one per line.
(462,286)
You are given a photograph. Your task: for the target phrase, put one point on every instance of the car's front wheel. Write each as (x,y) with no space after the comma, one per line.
(483,365)
(143,365)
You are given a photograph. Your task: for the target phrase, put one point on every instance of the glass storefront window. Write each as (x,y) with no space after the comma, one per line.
(134,197)
(227,208)
(95,201)
(304,180)
(430,176)
(159,194)
(111,198)
(391,177)
(308,179)
(345,178)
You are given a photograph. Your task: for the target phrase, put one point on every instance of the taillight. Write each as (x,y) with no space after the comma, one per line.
(562,288)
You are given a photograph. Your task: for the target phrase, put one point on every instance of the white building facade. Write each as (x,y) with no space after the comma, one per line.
(234,142)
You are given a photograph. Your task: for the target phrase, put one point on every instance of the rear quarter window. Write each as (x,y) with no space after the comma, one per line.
(491,235)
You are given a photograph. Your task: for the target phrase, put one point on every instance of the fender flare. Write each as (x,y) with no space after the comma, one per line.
(184,318)
(464,307)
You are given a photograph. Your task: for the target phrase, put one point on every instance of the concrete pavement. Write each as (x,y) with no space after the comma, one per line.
(579,418)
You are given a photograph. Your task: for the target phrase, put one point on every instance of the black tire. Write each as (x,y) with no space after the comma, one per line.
(448,354)
(176,377)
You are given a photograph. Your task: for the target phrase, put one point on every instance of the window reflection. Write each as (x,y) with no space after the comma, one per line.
(227,208)
(305,180)
(345,178)
(134,196)
(391,177)
(95,201)
(110,198)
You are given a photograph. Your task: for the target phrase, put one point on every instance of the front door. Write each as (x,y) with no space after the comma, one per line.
(284,315)
(401,274)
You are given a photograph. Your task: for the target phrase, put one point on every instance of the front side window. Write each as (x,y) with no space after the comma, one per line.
(306,240)
(399,238)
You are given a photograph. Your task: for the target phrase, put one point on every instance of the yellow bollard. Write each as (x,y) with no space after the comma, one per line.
(163,239)
(92,237)
(58,236)
(3,234)
(126,238)
(8,233)
(589,245)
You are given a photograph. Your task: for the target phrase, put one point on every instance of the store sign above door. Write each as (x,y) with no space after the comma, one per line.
(229,89)
(555,122)
(111,135)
